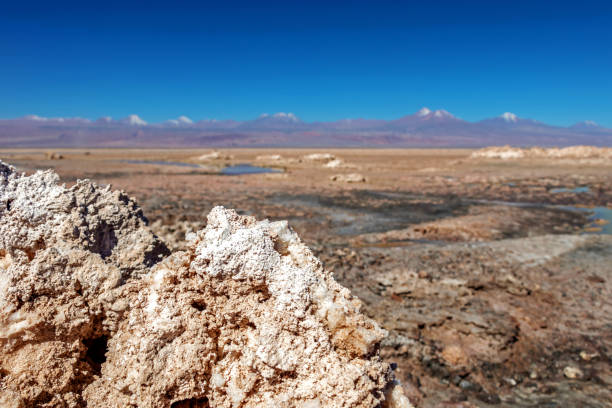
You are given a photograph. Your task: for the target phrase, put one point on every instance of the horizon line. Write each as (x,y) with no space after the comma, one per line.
(184,120)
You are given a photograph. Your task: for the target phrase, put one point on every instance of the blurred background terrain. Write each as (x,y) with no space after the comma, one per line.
(491,274)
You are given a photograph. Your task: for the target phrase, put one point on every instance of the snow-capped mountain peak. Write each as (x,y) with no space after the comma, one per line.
(441,113)
(509,117)
(134,120)
(280,117)
(586,125)
(35,118)
(181,120)
(73,120)
(289,117)
(424,111)
(185,120)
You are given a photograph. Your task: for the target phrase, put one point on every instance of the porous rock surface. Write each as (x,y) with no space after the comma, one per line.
(93,313)
(65,258)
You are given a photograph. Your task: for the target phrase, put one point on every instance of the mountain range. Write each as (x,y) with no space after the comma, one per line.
(425,128)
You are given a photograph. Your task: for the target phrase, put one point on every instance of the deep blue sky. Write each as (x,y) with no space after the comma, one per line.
(321,60)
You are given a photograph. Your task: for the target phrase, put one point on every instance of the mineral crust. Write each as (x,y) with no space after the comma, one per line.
(93,311)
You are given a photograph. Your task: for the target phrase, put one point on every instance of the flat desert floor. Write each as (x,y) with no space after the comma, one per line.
(493,277)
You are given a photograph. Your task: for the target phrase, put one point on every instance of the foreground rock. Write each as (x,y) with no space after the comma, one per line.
(90,314)
(65,258)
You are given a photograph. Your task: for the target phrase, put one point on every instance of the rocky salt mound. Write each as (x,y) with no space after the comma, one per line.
(571,152)
(66,256)
(348,178)
(93,313)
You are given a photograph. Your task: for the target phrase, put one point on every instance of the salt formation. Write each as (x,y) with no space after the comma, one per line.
(320,157)
(334,163)
(337,163)
(348,178)
(91,315)
(269,157)
(571,152)
(214,155)
(65,258)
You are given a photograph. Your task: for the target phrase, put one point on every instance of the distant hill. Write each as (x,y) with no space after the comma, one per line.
(425,128)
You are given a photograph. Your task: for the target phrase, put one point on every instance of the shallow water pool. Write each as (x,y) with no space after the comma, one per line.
(577,190)
(245,168)
(600,219)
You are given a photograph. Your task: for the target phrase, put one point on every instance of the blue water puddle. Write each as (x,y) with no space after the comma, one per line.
(600,218)
(236,170)
(603,213)
(246,168)
(577,190)
(162,163)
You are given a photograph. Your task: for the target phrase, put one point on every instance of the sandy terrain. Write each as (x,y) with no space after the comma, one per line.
(492,276)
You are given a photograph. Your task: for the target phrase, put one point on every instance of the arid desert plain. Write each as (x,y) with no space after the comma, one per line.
(491,273)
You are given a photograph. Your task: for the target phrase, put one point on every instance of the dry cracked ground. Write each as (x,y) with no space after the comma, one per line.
(493,277)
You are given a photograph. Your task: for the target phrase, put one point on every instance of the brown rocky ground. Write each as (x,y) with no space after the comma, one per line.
(487,304)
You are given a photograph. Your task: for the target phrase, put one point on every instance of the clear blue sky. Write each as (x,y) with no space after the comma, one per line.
(321,60)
